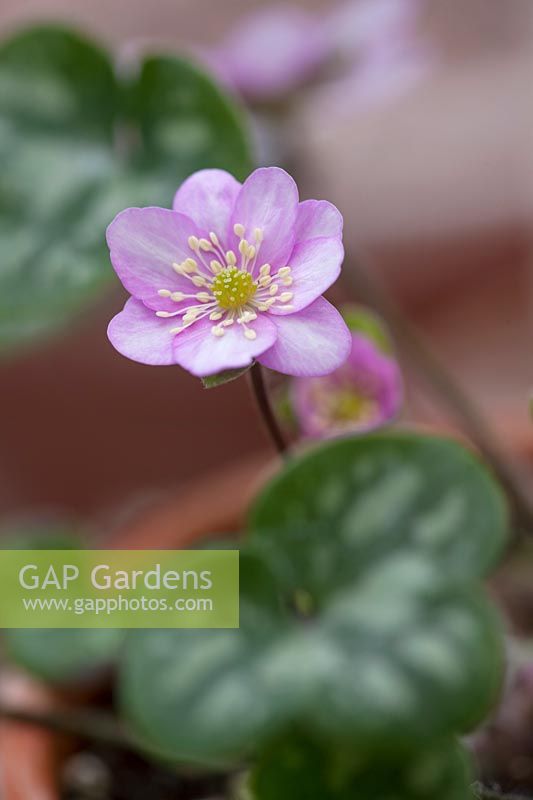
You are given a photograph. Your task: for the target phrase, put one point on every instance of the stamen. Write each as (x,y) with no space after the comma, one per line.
(231,258)
(205,245)
(214,239)
(205,297)
(265,270)
(199,280)
(287,281)
(216,315)
(284,272)
(216,266)
(164,293)
(216,330)
(250,334)
(239,229)
(194,243)
(286,297)
(258,234)
(273,289)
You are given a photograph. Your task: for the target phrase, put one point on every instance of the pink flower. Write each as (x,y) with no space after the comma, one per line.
(270,53)
(233,273)
(363,394)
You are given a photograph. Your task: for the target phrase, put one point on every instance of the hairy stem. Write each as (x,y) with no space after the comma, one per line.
(264,405)
(446,389)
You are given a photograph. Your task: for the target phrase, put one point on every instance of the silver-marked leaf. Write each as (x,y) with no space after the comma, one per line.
(76,147)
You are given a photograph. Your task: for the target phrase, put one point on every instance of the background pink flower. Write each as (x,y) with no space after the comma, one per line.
(270,53)
(363,394)
(233,273)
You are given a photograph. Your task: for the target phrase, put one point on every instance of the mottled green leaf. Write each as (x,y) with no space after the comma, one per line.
(77,146)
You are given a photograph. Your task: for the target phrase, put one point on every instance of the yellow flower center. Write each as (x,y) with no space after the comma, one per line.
(233,288)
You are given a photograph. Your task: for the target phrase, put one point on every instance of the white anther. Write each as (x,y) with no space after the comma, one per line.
(190,265)
(205,245)
(227,323)
(194,242)
(216,266)
(273,289)
(238,229)
(177,330)
(163,314)
(216,315)
(164,293)
(250,334)
(177,296)
(217,331)
(265,281)
(199,280)
(204,297)
(287,282)
(251,252)
(258,235)
(243,247)
(265,270)
(286,297)
(284,272)
(231,258)
(214,238)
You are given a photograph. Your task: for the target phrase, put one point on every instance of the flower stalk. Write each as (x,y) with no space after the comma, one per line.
(260,392)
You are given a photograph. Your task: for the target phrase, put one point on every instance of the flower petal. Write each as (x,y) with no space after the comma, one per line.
(144,243)
(315,341)
(202,354)
(318,219)
(315,265)
(268,200)
(138,334)
(208,197)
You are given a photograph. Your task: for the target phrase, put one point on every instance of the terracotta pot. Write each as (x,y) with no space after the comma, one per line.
(30,757)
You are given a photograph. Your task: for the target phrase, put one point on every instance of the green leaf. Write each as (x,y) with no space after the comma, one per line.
(376,635)
(214,381)
(76,147)
(385,492)
(60,656)
(298,769)
(64,655)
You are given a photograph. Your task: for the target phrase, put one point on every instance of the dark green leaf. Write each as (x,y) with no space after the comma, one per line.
(297,769)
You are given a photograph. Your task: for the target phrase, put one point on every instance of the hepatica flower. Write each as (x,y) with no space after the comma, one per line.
(270,52)
(364,394)
(234,273)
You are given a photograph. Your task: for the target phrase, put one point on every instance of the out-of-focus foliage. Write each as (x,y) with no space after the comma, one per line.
(77,145)
(362,621)
(298,769)
(58,655)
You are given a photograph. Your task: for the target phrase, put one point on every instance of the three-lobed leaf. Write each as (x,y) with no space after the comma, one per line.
(380,639)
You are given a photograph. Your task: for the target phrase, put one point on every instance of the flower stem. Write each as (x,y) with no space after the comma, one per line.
(259,390)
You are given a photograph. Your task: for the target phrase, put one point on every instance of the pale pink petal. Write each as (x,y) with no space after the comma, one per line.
(138,334)
(208,198)
(202,354)
(318,219)
(143,244)
(273,51)
(315,265)
(268,200)
(314,341)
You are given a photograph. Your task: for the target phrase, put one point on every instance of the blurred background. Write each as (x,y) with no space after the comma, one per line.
(431,164)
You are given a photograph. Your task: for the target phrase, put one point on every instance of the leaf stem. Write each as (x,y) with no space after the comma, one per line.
(258,386)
